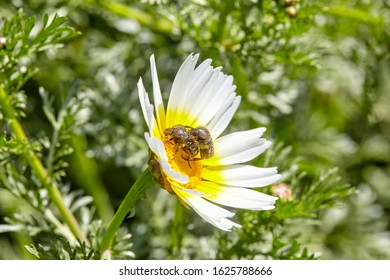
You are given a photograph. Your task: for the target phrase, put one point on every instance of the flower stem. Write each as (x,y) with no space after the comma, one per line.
(39,170)
(144,181)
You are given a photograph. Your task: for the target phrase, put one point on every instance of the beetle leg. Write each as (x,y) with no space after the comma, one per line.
(188,160)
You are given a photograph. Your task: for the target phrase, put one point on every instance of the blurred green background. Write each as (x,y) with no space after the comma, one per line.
(315,73)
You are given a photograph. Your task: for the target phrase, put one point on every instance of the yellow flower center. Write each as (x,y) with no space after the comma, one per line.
(183,163)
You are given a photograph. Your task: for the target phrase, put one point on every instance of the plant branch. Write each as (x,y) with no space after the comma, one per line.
(144,181)
(39,170)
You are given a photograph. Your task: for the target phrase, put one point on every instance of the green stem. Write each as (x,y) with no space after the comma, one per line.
(144,181)
(39,170)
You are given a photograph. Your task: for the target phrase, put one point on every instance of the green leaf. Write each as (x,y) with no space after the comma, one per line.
(32,250)
(28,26)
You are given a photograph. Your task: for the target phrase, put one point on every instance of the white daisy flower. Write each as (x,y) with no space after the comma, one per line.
(189,156)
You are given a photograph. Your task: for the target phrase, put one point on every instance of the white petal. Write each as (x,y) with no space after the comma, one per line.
(209,90)
(179,91)
(223,91)
(213,214)
(153,128)
(157,146)
(158,102)
(201,90)
(245,154)
(238,147)
(255,183)
(241,175)
(147,108)
(225,223)
(221,120)
(144,99)
(238,197)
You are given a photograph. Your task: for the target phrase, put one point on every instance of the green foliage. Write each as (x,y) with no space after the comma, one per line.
(275,234)
(23,42)
(42,223)
(315,73)
(21,46)
(61,251)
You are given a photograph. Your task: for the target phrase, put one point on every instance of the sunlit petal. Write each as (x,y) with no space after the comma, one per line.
(180,89)
(241,175)
(158,102)
(238,147)
(237,197)
(209,211)
(222,119)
